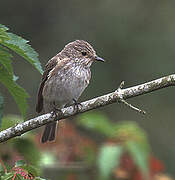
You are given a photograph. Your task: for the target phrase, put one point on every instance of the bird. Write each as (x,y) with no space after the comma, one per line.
(65,78)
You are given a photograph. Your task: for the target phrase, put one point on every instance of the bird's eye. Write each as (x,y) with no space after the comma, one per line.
(83,53)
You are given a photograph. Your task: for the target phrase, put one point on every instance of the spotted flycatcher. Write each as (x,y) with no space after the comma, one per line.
(65,77)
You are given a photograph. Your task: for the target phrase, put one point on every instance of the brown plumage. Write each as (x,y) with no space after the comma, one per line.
(65,77)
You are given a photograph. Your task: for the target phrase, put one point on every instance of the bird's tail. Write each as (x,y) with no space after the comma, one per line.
(49,132)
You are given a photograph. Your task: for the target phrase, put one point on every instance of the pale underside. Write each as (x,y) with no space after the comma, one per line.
(67,84)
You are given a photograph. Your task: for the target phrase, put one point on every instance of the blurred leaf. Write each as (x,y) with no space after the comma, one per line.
(20,46)
(10,120)
(108,159)
(135,141)
(1,108)
(130,131)
(38,178)
(140,155)
(1,171)
(47,158)
(129,128)
(30,169)
(7,176)
(2,168)
(19,94)
(19,177)
(20,163)
(97,122)
(126,130)
(28,149)
(20,171)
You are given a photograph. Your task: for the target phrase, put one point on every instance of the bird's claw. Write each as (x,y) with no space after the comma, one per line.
(56,112)
(76,105)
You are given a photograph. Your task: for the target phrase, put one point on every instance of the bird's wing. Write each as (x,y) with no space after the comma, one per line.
(49,67)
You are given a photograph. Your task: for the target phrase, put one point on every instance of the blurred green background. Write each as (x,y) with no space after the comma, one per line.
(136,38)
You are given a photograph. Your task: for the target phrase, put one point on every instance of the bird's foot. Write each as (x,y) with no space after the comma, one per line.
(56,112)
(76,105)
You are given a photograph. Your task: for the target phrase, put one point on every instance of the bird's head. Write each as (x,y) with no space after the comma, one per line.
(81,52)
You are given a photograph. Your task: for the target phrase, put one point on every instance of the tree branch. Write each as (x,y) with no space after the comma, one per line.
(117,96)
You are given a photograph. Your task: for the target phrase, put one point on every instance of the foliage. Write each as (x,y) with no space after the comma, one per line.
(1,108)
(108,159)
(24,147)
(20,171)
(17,149)
(10,120)
(27,148)
(47,158)
(15,43)
(122,137)
(97,122)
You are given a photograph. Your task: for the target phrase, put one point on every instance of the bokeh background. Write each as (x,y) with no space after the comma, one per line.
(137,40)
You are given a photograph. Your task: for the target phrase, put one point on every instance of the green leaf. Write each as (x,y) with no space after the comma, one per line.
(108,159)
(18,93)
(1,108)
(7,78)
(10,120)
(4,27)
(5,59)
(20,46)
(3,33)
(97,122)
(140,155)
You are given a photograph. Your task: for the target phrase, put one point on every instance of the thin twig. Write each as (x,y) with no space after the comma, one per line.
(132,107)
(121,99)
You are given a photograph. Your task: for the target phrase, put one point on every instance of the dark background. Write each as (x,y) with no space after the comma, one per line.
(136,38)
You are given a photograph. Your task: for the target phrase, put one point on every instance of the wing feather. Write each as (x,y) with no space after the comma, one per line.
(49,66)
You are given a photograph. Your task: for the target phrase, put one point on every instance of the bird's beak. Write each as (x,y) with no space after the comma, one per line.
(99,59)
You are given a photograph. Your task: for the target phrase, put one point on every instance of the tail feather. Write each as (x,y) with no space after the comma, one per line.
(52,132)
(49,132)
